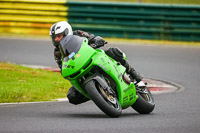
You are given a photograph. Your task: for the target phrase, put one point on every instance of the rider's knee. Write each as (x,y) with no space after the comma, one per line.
(115,53)
(75,97)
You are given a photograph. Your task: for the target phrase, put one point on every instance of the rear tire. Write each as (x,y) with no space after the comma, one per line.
(145,103)
(112,109)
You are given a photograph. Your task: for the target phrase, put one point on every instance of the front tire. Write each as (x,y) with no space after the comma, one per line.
(145,103)
(108,104)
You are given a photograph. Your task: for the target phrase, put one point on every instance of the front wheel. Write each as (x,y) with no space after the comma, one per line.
(109,104)
(145,103)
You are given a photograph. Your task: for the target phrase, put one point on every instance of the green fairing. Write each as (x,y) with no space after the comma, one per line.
(85,60)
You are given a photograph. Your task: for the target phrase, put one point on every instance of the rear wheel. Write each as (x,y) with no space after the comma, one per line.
(145,103)
(109,104)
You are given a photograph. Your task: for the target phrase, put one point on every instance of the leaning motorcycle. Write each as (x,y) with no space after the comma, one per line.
(101,79)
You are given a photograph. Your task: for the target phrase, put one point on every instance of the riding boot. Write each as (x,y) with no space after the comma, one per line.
(135,75)
(130,70)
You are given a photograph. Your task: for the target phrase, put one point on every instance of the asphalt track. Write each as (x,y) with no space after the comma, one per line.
(175,112)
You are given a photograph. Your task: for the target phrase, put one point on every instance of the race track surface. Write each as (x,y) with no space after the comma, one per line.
(175,112)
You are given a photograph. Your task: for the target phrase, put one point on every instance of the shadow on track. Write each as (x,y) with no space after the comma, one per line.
(89,115)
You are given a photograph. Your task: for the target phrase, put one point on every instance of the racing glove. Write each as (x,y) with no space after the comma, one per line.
(93,41)
(97,42)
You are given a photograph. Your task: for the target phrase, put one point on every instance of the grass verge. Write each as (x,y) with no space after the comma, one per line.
(22,84)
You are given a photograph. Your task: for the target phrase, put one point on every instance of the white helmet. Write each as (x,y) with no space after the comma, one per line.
(60,27)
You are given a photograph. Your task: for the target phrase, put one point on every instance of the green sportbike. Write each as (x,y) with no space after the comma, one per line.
(101,79)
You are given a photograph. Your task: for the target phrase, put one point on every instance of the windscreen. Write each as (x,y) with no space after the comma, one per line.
(70,45)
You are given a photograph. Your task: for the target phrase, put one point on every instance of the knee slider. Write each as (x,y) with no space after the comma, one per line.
(75,97)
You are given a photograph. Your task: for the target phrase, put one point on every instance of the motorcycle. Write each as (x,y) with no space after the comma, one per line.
(102,79)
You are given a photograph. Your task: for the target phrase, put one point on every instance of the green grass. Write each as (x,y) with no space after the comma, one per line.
(22,84)
(151,1)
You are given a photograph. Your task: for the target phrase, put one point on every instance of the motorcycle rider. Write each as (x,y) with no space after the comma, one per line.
(62,29)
